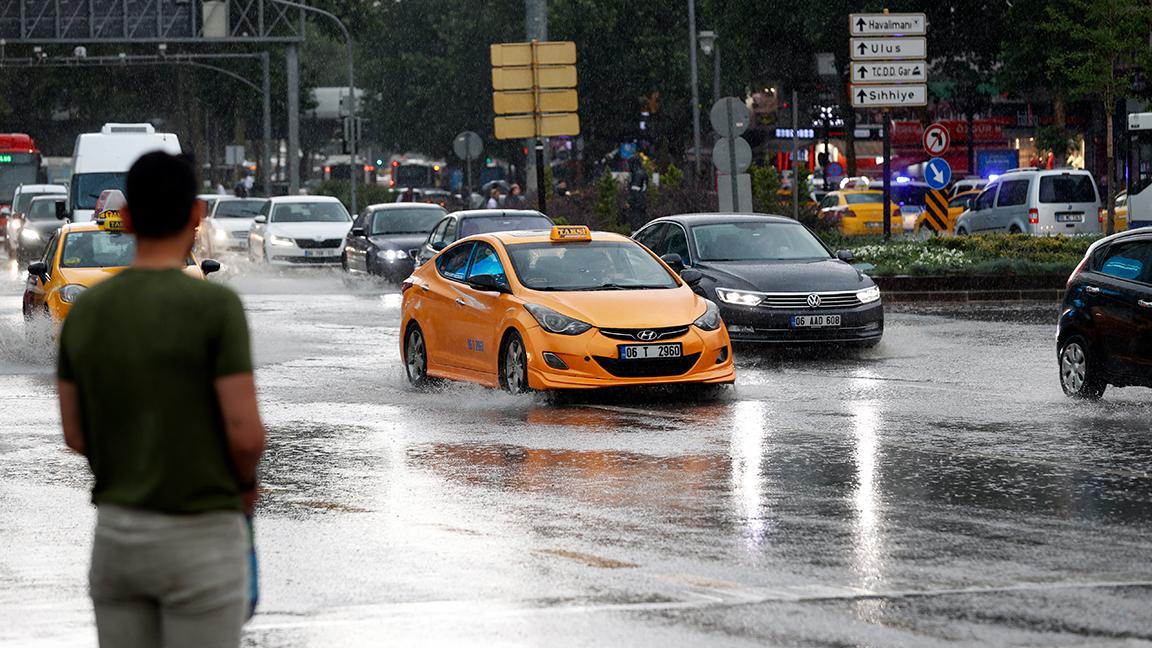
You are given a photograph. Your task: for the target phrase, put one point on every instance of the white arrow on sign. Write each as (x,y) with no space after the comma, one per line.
(901,24)
(878,49)
(889,96)
(890,72)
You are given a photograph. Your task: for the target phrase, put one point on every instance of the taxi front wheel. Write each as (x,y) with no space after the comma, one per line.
(514,365)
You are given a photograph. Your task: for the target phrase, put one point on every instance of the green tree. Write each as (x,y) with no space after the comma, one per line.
(607,201)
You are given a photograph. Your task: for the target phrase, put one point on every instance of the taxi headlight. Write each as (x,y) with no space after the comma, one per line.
(394,255)
(30,235)
(868,295)
(280,241)
(710,320)
(739,297)
(554,322)
(70,292)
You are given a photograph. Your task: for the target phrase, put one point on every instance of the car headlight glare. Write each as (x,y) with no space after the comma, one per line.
(868,295)
(554,322)
(280,241)
(710,320)
(395,255)
(739,297)
(70,292)
(30,234)
(219,234)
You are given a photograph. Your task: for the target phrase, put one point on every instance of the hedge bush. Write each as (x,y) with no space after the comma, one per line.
(997,254)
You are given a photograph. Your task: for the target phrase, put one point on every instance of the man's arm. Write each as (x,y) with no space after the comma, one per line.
(70,414)
(236,394)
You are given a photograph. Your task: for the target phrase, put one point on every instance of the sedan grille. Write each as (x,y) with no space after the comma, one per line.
(241,234)
(645,335)
(311,244)
(648,368)
(802,301)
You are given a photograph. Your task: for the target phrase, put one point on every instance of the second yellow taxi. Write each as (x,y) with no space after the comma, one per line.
(559,309)
(858,212)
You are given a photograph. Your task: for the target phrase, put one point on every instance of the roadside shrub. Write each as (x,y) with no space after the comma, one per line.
(990,254)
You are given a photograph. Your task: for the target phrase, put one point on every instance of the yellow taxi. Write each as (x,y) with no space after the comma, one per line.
(1121,209)
(81,255)
(561,309)
(956,206)
(858,211)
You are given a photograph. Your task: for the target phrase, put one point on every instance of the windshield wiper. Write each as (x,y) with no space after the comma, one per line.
(615,286)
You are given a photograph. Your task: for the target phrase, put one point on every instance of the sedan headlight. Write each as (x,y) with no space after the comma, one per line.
(710,320)
(70,292)
(554,322)
(30,234)
(868,295)
(219,235)
(739,297)
(280,241)
(395,255)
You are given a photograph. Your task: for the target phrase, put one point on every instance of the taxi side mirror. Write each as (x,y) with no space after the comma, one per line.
(691,276)
(38,269)
(61,210)
(261,219)
(488,283)
(846,256)
(674,261)
(208,266)
(439,245)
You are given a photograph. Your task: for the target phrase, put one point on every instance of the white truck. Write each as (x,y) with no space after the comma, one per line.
(101,161)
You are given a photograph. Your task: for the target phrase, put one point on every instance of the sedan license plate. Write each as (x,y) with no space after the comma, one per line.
(815,321)
(650,351)
(320,253)
(1069,217)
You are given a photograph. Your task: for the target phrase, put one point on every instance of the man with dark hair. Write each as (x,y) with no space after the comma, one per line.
(156,390)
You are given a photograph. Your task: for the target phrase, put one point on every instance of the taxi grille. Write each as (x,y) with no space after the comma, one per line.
(634,334)
(799,301)
(648,368)
(311,244)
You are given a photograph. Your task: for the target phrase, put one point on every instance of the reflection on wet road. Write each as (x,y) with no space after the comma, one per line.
(938,490)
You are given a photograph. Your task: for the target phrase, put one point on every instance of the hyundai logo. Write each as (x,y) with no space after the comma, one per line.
(647,336)
(813,301)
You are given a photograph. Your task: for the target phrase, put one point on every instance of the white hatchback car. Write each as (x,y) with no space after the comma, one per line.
(1036,201)
(299,230)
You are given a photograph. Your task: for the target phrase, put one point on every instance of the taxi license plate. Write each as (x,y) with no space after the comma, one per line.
(320,253)
(815,321)
(650,351)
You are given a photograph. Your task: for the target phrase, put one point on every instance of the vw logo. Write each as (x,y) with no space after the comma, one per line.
(646,336)
(813,301)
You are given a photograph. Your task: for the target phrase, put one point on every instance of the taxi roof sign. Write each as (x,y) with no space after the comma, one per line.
(571,233)
(110,221)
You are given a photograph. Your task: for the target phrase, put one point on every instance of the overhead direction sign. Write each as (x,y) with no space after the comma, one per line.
(878,49)
(896,24)
(889,96)
(935,140)
(937,173)
(890,72)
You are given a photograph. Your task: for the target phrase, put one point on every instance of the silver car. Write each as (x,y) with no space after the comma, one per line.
(1035,201)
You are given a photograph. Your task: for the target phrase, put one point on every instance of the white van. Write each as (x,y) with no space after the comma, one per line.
(1036,201)
(101,161)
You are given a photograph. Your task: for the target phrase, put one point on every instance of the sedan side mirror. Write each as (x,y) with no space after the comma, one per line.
(691,276)
(488,283)
(208,266)
(61,210)
(358,232)
(846,256)
(439,245)
(674,261)
(261,219)
(38,269)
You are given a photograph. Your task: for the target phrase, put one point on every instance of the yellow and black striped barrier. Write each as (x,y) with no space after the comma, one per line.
(936,212)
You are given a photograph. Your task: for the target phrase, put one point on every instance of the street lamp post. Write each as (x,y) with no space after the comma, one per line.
(352,134)
(695,87)
(709,43)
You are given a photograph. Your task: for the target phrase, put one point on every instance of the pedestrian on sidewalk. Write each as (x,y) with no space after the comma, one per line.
(156,390)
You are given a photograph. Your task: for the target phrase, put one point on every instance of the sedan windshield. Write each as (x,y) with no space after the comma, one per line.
(503,223)
(243,208)
(308,212)
(756,241)
(404,221)
(599,265)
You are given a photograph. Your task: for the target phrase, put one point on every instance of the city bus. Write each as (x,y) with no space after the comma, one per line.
(19,164)
(415,173)
(1139,172)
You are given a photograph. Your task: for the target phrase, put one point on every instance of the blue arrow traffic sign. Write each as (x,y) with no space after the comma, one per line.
(937,173)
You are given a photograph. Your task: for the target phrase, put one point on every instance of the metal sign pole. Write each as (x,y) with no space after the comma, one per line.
(887,121)
(733,172)
(795,159)
(541,180)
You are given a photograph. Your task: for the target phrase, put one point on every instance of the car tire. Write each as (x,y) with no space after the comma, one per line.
(1079,374)
(416,357)
(514,364)
(1015,229)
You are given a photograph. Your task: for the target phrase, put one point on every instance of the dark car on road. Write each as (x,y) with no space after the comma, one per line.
(774,280)
(1104,336)
(40,220)
(385,239)
(479,221)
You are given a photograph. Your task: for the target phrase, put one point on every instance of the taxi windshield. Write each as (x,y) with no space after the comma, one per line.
(97,249)
(752,241)
(595,265)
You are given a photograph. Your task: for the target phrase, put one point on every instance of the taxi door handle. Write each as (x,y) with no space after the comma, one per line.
(1145,303)
(461,302)
(1091,289)
(425,287)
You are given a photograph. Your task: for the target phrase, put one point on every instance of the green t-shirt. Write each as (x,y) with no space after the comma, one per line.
(144,349)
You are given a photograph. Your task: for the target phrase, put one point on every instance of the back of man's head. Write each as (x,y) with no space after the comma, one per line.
(161,191)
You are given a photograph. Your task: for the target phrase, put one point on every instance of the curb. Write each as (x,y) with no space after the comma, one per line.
(972,288)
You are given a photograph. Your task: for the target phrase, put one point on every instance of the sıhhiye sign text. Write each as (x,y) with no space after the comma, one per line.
(888,96)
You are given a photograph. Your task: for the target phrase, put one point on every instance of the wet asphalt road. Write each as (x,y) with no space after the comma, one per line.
(938,490)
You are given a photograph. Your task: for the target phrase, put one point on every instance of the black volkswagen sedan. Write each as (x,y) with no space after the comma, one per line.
(385,239)
(774,280)
(1104,336)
